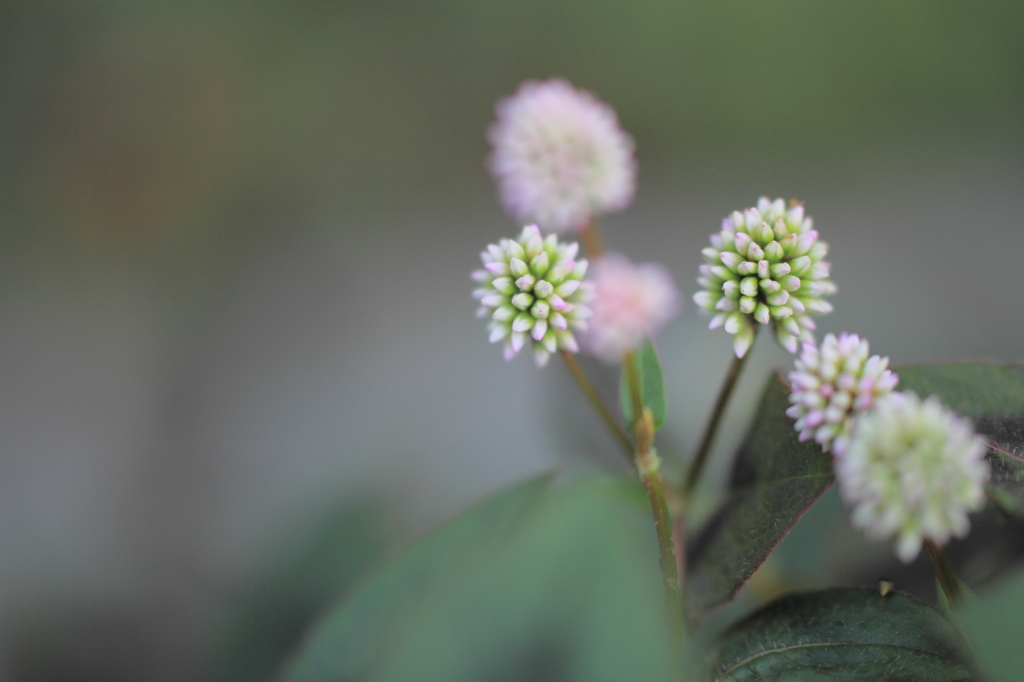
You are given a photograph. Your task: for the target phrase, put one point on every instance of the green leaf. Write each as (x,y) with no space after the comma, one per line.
(652,385)
(992,395)
(775,479)
(995,624)
(348,642)
(530,585)
(1006,486)
(842,634)
(266,622)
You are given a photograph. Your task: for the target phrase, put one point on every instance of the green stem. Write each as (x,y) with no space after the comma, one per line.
(648,466)
(944,572)
(704,449)
(591,238)
(635,396)
(595,400)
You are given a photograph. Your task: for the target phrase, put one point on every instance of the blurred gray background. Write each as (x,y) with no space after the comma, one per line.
(235,241)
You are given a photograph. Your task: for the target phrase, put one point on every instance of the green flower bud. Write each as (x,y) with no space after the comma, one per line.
(770,259)
(531,289)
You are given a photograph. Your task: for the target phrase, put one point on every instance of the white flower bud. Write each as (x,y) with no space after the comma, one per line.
(913,469)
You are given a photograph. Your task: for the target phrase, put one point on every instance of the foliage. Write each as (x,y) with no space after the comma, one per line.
(774,480)
(994,625)
(529,584)
(269,619)
(568,572)
(842,634)
(652,385)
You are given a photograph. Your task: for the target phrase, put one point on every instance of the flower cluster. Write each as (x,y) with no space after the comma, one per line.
(532,286)
(907,467)
(559,156)
(766,266)
(629,302)
(913,469)
(832,385)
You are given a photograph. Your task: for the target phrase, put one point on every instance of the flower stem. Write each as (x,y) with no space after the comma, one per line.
(591,238)
(599,406)
(944,572)
(649,467)
(704,449)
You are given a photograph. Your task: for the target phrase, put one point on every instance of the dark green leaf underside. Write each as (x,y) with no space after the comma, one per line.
(841,634)
(992,395)
(774,480)
(652,385)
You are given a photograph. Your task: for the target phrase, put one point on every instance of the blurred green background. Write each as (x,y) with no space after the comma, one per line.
(235,241)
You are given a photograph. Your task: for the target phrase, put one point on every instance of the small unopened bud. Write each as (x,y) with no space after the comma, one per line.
(543,289)
(522,323)
(518,267)
(748,286)
(522,300)
(524,283)
(539,263)
(731,260)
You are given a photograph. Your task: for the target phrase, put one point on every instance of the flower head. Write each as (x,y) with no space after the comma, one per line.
(629,302)
(531,287)
(913,469)
(834,384)
(560,156)
(766,267)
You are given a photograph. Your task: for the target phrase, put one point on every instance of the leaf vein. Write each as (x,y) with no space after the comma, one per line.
(811,645)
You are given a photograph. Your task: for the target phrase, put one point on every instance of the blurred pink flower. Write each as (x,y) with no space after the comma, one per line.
(559,156)
(629,301)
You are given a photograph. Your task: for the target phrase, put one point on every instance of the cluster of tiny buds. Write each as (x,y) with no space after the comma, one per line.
(913,469)
(832,385)
(766,267)
(559,156)
(532,288)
